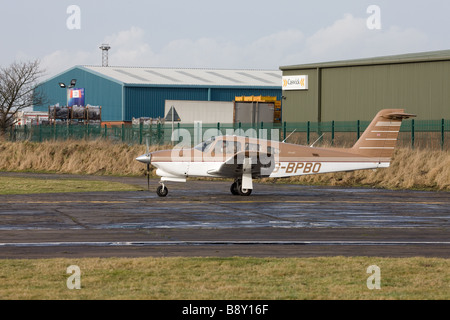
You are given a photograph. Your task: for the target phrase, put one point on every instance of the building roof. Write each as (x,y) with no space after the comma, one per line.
(189,77)
(442,55)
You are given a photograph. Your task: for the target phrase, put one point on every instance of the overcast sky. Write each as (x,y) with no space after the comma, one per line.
(238,34)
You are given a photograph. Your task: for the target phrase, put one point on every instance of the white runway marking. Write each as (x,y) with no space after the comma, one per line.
(219,243)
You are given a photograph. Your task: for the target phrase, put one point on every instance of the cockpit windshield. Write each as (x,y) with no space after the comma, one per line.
(205,146)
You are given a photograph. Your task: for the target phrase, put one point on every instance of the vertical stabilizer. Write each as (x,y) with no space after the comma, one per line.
(380,138)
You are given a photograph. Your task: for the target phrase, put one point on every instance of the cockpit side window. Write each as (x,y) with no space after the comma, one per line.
(228,147)
(205,146)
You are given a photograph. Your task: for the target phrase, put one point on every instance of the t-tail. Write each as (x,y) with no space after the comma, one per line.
(380,138)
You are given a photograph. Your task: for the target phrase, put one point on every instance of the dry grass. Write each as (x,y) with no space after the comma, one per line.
(226,278)
(410,169)
(420,169)
(76,157)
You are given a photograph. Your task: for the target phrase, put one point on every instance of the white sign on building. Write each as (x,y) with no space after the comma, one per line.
(295,83)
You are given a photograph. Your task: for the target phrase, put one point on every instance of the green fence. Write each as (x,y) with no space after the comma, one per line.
(432,134)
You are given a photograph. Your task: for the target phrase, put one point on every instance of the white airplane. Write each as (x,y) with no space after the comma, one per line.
(245,159)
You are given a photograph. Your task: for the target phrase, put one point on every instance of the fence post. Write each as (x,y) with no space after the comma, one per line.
(158,134)
(123,133)
(106,132)
(412,134)
(284,131)
(12,134)
(442,134)
(308,132)
(141,126)
(358,129)
(332,133)
(260,134)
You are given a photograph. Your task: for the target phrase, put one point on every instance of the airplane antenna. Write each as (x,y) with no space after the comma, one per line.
(289,136)
(317,140)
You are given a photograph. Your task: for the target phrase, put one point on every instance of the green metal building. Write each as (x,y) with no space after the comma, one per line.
(358,89)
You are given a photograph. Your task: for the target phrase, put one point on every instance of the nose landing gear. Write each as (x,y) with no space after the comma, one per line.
(162,191)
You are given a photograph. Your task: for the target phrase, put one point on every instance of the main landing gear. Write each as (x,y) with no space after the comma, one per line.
(237,190)
(162,191)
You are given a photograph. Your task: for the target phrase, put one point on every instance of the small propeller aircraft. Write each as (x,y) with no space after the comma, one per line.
(244,159)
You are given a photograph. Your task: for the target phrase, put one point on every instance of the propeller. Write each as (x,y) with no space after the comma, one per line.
(148,163)
(146,158)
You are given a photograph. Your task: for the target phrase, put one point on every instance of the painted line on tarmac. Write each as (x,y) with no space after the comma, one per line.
(229,202)
(218,243)
(67,202)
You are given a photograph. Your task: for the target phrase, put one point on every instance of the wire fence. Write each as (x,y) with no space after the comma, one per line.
(431,134)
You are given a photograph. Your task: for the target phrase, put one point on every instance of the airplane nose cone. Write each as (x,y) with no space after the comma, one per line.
(146,158)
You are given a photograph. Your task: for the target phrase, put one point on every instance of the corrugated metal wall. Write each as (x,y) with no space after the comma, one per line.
(359,92)
(98,92)
(150,101)
(124,102)
(301,106)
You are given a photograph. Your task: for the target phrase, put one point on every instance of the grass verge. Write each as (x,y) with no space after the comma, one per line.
(227,278)
(12,185)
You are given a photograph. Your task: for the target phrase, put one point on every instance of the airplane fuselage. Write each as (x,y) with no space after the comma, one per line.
(244,158)
(288,160)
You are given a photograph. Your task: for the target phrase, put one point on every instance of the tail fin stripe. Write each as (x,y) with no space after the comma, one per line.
(381,139)
(388,124)
(377,148)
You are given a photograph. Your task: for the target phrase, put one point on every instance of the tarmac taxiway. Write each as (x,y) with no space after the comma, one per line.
(202,218)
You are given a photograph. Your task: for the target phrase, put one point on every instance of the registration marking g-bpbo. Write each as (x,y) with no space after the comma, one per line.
(298,167)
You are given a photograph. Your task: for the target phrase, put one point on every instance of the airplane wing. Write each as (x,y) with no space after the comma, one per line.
(261,165)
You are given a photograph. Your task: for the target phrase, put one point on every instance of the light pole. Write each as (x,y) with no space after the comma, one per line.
(73,83)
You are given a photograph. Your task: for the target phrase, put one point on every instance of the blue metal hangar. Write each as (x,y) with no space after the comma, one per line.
(125,93)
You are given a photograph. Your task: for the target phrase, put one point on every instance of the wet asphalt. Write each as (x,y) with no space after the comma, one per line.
(202,218)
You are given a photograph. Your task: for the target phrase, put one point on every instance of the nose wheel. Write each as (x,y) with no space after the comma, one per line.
(162,191)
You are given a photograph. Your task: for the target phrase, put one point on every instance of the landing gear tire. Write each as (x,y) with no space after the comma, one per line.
(162,191)
(236,189)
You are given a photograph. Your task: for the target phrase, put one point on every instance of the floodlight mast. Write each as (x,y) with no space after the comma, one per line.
(105,48)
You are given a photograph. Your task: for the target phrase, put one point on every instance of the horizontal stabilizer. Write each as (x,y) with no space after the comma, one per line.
(399,116)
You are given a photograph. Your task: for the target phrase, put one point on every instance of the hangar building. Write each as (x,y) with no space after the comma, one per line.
(358,89)
(125,93)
